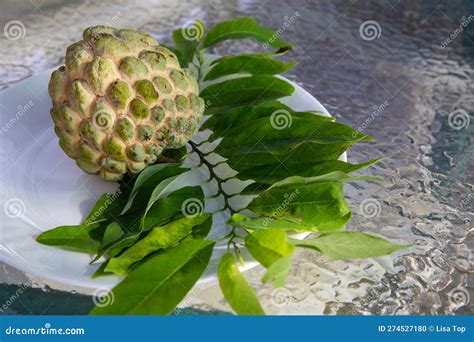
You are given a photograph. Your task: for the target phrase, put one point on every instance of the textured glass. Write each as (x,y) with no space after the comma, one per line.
(401,71)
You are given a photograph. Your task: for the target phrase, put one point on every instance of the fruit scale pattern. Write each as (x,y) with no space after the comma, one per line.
(120,100)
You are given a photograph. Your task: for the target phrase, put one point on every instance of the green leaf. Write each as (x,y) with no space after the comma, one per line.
(271,248)
(130,224)
(157,192)
(82,238)
(202,230)
(187,39)
(112,233)
(268,245)
(278,271)
(175,154)
(158,238)
(254,64)
(261,135)
(235,288)
(243,28)
(148,180)
(147,191)
(101,272)
(266,175)
(240,220)
(244,90)
(170,207)
(319,206)
(258,150)
(349,245)
(97,212)
(336,176)
(159,284)
(308,155)
(221,122)
(162,211)
(109,206)
(299,203)
(310,145)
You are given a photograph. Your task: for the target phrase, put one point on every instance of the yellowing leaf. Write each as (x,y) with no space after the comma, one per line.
(268,245)
(235,288)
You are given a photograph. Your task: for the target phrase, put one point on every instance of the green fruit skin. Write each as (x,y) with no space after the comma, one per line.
(120,100)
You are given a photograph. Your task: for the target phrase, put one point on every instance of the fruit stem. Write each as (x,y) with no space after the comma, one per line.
(163,159)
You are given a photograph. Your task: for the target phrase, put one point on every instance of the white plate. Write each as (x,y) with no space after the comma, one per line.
(42,188)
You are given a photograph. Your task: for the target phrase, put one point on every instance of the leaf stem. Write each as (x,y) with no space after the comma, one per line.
(220,181)
(200,58)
